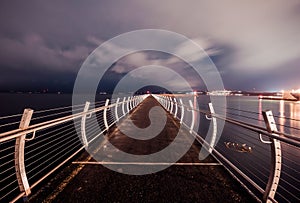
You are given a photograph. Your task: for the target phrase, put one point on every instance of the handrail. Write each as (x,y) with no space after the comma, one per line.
(260,129)
(18,132)
(249,126)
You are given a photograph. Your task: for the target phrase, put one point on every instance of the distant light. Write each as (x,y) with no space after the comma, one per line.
(148,92)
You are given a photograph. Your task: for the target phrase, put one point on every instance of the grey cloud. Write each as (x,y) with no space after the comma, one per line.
(55,36)
(263,33)
(32,50)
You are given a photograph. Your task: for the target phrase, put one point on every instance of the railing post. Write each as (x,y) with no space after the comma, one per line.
(136,101)
(193,116)
(162,101)
(123,106)
(105,114)
(176,107)
(182,111)
(168,104)
(214,133)
(127,105)
(276,161)
(83,120)
(171,102)
(116,110)
(19,154)
(130,103)
(133,102)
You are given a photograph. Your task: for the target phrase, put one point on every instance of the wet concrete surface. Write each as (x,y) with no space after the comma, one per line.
(96,183)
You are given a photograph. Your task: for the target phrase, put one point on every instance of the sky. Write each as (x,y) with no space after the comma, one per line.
(254,44)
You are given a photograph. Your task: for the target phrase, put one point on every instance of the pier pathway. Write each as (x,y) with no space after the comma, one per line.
(207,181)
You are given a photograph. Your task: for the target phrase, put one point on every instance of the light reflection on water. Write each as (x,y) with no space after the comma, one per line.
(286,113)
(260,116)
(295,117)
(282,118)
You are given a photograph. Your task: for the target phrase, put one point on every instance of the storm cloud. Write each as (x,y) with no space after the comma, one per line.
(254,44)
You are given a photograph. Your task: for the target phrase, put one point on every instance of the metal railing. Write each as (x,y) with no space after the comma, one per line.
(46,140)
(33,145)
(268,169)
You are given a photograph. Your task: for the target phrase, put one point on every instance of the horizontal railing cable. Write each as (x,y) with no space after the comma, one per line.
(55,114)
(9,124)
(6,186)
(291,177)
(47,124)
(61,130)
(4,171)
(286,191)
(287,118)
(10,116)
(290,127)
(51,157)
(253,127)
(58,108)
(253,171)
(51,146)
